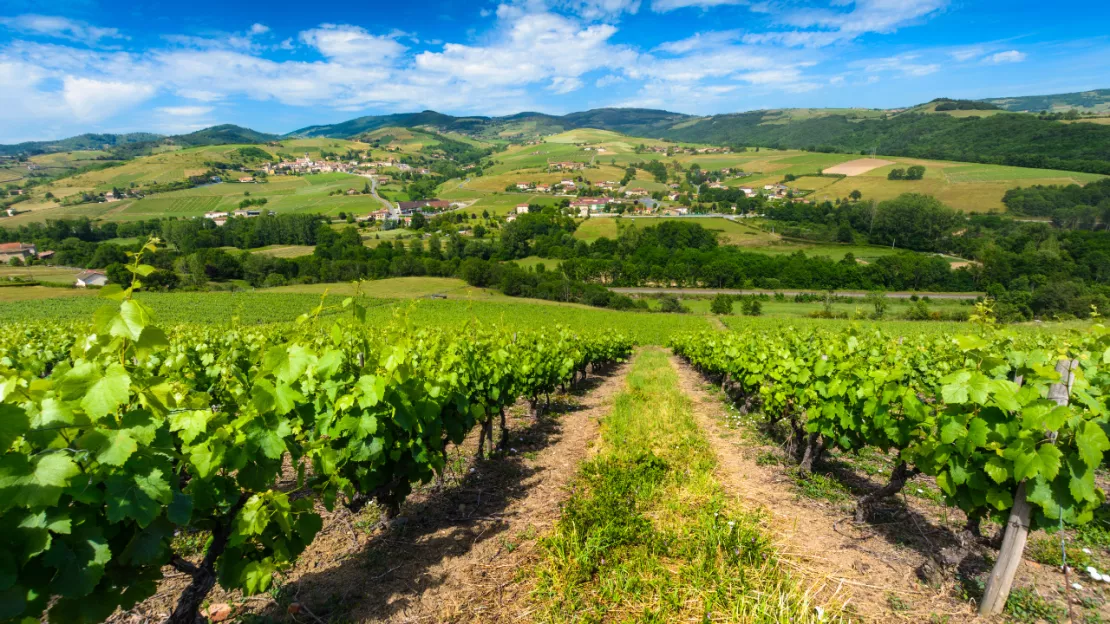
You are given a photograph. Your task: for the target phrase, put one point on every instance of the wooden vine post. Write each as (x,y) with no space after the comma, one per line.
(1017,527)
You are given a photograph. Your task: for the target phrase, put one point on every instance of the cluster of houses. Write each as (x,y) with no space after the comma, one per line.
(307,165)
(406,210)
(220,217)
(674,149)
(566,166)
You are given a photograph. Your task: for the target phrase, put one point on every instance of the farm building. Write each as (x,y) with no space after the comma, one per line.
(16,250)
(90,278)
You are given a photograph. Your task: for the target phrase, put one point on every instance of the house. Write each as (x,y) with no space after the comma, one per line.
(522,209)
(717,185)
(352,192)
(16,250)
(543,188)
(747,190)
(510,218)
(523,186)
(46,255)
(674,196)
(110,196)
(566,166)
(377,215)
(246,213)
(91,278)
(635,192)
(216,215)
(246,179)
(409,207)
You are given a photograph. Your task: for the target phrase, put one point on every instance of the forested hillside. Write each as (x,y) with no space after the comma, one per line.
(1018,140)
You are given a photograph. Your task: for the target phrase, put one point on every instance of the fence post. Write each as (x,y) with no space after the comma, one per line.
(1017,527)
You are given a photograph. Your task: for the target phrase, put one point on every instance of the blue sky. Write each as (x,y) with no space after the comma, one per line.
(74,66)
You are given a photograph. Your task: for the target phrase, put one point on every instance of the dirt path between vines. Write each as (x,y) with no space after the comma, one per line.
(878,577)
(455,552)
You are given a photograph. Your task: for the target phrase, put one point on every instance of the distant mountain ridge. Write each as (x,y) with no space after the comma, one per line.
(1097,100)
(135,142)
(625,120)
(78,143)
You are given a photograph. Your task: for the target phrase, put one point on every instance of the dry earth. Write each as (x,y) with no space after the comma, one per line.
(859,166)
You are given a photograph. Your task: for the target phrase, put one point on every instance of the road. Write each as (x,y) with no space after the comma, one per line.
(374,191)
(789,293)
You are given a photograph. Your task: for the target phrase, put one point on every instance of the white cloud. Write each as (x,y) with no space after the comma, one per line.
(185,111)
(259,29)
(663,6)
(352,45)
(59,27)
(609,80)
(1010,56)
(905,64)
(699,41)
(599,9)
(830,25)
(93,100)
(966,54)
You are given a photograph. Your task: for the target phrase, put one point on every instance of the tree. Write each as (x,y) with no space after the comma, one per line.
(479,231)
(751,306)
(914,221)
(418,221)
(670,303)
(855,195)
(915,172)
(877,299)
(722,304)
(896,174)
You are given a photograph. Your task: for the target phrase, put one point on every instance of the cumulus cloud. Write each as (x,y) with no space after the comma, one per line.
(352,45)
(93,100)
(1010,56)
(60,28)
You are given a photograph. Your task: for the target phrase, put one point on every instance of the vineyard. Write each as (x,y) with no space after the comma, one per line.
(123,431)
(118,438)
(1011,425)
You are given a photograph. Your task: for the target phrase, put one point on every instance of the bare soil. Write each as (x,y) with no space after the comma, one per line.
(455,552)
(859,166)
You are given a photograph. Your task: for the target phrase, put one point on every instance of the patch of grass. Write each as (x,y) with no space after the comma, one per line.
(190,543)
(822,487)
(1046,550)
(648,534)
(897,603)
(1026,605)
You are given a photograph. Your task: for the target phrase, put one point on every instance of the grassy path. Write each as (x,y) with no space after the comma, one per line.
(649,534)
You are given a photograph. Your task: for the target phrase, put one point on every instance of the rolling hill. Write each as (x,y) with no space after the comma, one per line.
(1097,101)
(140,143)
(84,142)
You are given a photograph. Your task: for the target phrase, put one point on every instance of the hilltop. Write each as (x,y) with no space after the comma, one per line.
(1095,101)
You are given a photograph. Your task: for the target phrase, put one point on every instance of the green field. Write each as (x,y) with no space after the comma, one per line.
(968,187)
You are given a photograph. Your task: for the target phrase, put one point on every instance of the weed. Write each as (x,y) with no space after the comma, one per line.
(1046,550)
(189,543)
(822,487)
(897,603)
(1026,605)
(768,458)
